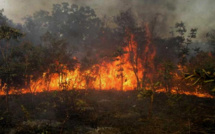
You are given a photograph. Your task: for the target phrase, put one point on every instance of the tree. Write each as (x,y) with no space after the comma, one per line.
(36,26)
(126,21)
(183,42)
(59,60)
(119,56)
(32,59)
(211,39)
(166,75)
(134,38)
(79,25)
(9,71)
(8,33)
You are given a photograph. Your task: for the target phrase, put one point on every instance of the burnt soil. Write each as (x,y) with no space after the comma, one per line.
(105,112)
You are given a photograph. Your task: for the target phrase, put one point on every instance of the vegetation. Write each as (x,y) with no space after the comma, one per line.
(72,37)
(93,111)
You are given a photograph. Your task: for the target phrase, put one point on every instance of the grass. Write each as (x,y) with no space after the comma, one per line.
(105,112)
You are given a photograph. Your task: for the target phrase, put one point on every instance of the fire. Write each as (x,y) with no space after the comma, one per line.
(149,54)
(176,91)
(130,69)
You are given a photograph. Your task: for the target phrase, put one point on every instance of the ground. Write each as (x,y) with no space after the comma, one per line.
(105,112)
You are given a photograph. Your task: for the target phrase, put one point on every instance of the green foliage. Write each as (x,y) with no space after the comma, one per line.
(144,94)
(19,64)
(201,71)
(81,104)
(8,33)
(166,72)
(9,61)
(202,76)
(27,114)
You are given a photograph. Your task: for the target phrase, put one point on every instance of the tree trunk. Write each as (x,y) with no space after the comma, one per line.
(7,98)
(122,81)
(151,105)
(100,81)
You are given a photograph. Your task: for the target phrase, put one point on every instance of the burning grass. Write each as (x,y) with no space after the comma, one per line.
(84,76)
(132,68)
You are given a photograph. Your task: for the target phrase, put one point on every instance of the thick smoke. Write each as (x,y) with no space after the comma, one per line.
(195,13)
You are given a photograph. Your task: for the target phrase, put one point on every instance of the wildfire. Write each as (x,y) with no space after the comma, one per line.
(128,71)
(176,91)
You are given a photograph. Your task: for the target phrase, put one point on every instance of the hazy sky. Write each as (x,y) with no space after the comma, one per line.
(195,13)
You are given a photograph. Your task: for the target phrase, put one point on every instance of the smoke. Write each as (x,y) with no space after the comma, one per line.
(195,13)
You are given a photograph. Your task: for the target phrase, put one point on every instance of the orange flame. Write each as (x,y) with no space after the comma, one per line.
(121,74)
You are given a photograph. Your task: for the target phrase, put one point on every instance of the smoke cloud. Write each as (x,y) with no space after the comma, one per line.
(195,13)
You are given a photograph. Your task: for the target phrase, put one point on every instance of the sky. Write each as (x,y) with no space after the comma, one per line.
(195,13)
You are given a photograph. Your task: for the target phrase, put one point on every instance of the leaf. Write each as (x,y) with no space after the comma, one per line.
(213,90)
(190,76)
(139,96)
(196,81)
(208,81)
(81,103)
(157,83)
(206,73)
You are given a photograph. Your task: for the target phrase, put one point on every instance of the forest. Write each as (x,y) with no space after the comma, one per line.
(70,71)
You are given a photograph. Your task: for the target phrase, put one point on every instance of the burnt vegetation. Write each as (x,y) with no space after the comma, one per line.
(170,76)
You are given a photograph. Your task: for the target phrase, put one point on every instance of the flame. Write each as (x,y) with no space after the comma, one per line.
(126,72)
(175,90)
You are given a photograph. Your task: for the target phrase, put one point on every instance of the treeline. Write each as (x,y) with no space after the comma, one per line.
(47,40)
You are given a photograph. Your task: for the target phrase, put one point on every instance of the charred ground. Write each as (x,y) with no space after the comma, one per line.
(92,111)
